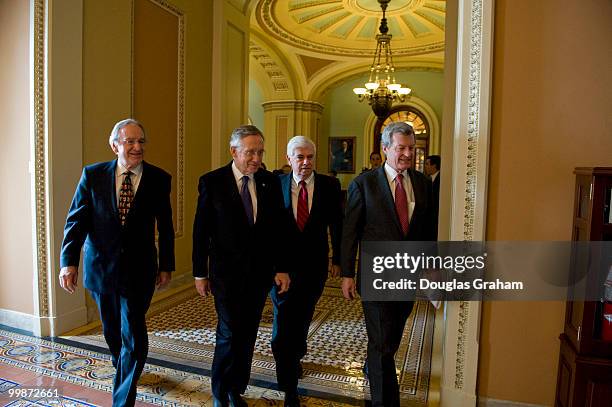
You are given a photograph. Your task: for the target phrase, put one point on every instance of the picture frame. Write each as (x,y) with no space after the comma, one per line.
(342,155)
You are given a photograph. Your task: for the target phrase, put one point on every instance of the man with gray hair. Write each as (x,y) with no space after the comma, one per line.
(239,236)
(114,213)
(313,203)
(390,203)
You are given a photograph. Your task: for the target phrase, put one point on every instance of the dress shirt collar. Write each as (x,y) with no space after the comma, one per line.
(391,173)
(434,175)
(121,169)
(237,174)
(297,179)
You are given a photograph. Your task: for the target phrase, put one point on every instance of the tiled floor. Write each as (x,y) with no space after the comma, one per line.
(182,336)
(181,346)
(32,367)
(19,387)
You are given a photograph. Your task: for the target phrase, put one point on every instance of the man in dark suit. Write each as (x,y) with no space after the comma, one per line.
(239,230)
(432,170)
(391,203)
(115,209)
(313,202)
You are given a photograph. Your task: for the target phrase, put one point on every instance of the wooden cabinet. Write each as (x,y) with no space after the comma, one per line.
(584,376)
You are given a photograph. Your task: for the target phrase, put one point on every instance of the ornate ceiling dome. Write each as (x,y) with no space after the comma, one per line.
(348,27)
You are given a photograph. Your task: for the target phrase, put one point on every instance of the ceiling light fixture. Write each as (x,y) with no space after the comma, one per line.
(381,90)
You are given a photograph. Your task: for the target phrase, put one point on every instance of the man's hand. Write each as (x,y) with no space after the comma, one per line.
(283,281)
(334,271)
(348,288)
(68,278)
(203,287)
(163,279)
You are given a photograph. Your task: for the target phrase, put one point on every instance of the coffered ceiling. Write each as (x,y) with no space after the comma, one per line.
(348,27)
(323,42)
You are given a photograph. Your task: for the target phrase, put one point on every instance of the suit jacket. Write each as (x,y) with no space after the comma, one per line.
(326,211)
(119,257)
(226,248)
(370,214)
(435,194)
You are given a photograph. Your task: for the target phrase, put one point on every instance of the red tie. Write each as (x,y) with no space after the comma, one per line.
(302,206)
(401,203)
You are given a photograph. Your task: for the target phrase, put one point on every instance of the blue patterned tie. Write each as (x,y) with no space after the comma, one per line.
(246,199)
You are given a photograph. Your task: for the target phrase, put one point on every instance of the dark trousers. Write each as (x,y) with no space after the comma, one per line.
(385,323)
(293,313)
(125,331)
(237,325)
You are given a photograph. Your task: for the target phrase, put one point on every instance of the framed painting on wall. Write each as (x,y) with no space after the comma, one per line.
(342,155)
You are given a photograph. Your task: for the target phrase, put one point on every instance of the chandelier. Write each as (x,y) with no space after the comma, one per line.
(381,90)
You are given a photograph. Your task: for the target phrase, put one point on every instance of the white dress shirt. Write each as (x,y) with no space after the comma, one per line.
(252,190)
(120,176)
(295,192)
(391,174)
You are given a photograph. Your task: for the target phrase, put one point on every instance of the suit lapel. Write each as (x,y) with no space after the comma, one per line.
(111,180)
(260,189)
(234,195)
(286,185)
(143,186)
(383,183)
(417,191)
(317,196)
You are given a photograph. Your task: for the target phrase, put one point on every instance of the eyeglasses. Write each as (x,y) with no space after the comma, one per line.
(132,141)
(251,153)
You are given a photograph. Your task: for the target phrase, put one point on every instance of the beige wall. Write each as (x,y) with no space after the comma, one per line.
(16,251)
(107,66)
(109,92)
(552,92)
(156,85)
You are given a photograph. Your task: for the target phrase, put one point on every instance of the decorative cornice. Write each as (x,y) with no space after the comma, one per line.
(297,105)
(270,66)
(40,149)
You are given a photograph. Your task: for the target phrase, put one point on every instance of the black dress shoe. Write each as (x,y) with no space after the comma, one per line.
(236,400)
(300,371)
(219,403)
(291,400)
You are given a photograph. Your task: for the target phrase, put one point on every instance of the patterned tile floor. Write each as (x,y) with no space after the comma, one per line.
(182,335)
(32,367)
(182,339)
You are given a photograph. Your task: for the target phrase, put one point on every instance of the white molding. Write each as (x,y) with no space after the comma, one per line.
(468,183)
(18,320)
(70,320)
(487,402)
(43,326)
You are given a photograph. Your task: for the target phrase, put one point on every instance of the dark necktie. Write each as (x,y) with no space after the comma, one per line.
(126,196)
(246,199)
(302,206)
(401,203)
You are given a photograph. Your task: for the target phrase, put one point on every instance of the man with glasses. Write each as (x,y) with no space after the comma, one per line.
(390,203)
(114,213)
(239,249)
